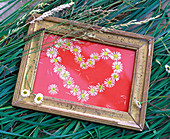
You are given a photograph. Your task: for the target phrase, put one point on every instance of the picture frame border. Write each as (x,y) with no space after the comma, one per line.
(142,45)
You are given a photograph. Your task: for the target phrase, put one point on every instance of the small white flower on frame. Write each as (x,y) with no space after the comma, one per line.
(100,87)
(95,56)
(83,65)
(76,50)
(64,75)
(138,104)
(25,93)
(59,68)
(83,96)
(91,62)
(92,90)
(117,67)
(59,43)
(105,53)
(115,56)
(52,52)
(109,82)
(55,60)
(115,76)
(75,90)
(167,67)
(69,83)
(53,89)
(39,98)
(68,44)
(79,58)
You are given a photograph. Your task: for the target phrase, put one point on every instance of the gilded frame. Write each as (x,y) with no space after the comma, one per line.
(143,45)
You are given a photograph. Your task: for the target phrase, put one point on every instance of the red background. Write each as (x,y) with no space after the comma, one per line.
(116,98)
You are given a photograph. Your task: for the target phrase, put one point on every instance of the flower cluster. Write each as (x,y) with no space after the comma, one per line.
(65,76)
(38,98)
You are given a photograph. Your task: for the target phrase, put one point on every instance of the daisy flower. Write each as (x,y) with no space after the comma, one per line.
(68,44)
(91,62)
(117,66)
(75,50)
(138,104)
(59,68)
(79,58)
(95,56)
(83,96)
(25,93)
(83,65)
(75,90)
(92,90)
(100,87)
(115,56)
(109,82)
(105,53)
(115,76)
(59,43)
(53,89)
(69,83)
(55,60)
(39,98)
(167,68)
(52,52)
(64,75)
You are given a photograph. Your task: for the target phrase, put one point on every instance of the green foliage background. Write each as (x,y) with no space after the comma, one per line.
(23,123)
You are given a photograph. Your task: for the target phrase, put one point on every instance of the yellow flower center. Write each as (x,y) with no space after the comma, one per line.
(92,90)
(53,89)
(60,69)
(100,87)
(51,52)
(115,76)
(25,92)
(117,67)
(168,68)
(115,56)
(69,82)
(95,57)
(55,60)
(75,50)
(75,89)
(90,62)
(39,98)
(84,65)
(109,82)
(79,59)
(83,95)
(64,74)
(105,53)
(68,44)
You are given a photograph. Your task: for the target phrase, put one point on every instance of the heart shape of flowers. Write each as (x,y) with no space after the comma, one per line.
(68,81)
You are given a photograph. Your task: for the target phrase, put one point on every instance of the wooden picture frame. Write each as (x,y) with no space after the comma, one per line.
(142,45)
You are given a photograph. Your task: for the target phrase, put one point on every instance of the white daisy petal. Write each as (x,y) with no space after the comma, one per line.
(69,83)
(53,89)
(115,56)
(115,76)
(39,98)
(25,93)
(105,53)
(59,68)
(52,52)
(79,58)
(75,90)
(93,91)
(109,82)
(83,96)
(91,62)
(95,56)
(83,65)
(64,75)
(55,60)
(117,67)
(100,87)
(76,50)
